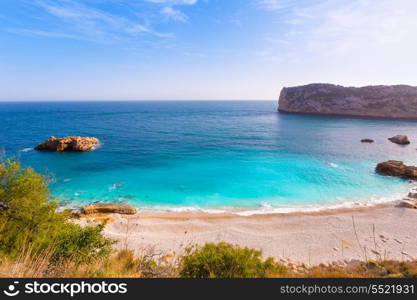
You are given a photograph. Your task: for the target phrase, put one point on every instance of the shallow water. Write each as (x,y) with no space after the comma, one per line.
(207,154)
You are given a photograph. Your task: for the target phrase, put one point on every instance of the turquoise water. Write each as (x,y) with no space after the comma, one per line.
(207,154)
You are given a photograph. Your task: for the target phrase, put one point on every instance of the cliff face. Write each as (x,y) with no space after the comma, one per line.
(397,101)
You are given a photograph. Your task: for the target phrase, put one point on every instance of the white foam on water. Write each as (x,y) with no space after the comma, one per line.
(267,208)
(190,209)
(97,146)
(320,207)
(115,186)
(333,165)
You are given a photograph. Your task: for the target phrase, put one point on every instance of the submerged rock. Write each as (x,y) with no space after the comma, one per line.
(396,101)
(400,140)
(108,208)
(70,143)
(397,169)
(367,141)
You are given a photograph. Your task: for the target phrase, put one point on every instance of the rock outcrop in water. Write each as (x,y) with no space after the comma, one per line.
(397,101)
(70,143)
(108,208)
(400,140)
(397,169)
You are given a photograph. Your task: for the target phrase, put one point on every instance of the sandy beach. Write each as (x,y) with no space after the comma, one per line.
(332,235)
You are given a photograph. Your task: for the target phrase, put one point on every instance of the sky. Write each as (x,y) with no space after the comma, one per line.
(200,49)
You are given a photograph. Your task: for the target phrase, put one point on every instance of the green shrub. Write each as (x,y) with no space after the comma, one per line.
(224,260)
(30,223)
(80,244)
(26,216)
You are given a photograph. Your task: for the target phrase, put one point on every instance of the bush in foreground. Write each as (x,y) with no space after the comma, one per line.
(224,260)
(30,224)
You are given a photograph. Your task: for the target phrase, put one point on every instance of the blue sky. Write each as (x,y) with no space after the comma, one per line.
(200,49)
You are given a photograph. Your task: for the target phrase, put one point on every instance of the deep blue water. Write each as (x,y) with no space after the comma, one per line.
(207,154)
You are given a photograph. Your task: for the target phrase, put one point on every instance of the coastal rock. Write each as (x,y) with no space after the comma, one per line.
(413,193)
(391,168)
(409,203)
(400,140)
(367,141)
(397,101)
(411,172)
(70,143)
(108,208)
(397,169)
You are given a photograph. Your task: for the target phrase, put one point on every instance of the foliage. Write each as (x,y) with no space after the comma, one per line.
(81,244)
(224,260)
(29,220)
(27,216)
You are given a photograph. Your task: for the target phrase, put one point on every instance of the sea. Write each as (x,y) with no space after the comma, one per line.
(213,156)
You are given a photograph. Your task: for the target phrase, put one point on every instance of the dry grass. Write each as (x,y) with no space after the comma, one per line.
(122,264)
(152,264)
(370,269)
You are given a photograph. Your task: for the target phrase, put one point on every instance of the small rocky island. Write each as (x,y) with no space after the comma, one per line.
(70,143)
(396,101)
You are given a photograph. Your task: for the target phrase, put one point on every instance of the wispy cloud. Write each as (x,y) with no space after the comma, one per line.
(76,20)
(42,33)
(276,5)
(338,28)
(171,13)
(270,5)
(169,10)
(174,2)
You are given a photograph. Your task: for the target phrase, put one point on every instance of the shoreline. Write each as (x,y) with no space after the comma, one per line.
(271,210)
(360,233)
(263,209)
(202,214)
(352,116)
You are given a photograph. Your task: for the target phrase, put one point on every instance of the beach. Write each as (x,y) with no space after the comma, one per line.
(382,231)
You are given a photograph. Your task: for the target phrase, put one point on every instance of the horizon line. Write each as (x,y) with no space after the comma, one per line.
(133,100)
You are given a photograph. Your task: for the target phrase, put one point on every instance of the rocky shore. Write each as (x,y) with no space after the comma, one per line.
(397,101)
(108,208)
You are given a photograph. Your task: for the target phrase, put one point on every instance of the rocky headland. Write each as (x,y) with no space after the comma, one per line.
(396,101)
(70,143)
